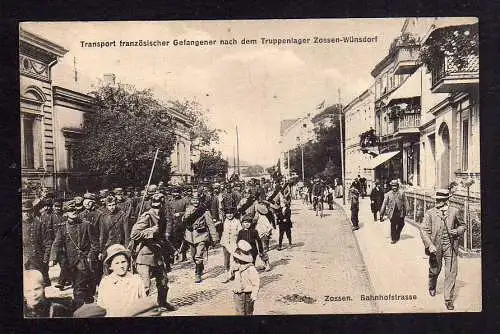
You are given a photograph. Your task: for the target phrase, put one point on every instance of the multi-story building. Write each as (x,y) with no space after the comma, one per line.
(37,57)
(427,116)
(359,120)
(293,133)
(53,103)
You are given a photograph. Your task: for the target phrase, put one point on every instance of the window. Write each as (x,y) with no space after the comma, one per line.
(465,144)
(28,148)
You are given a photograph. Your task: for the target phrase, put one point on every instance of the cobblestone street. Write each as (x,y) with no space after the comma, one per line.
(327,261)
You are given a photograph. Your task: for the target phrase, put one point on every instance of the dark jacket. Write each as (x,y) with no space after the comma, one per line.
(252,237)
(286,219)
(76,241)
(36,242)
(113,229)
(377,198)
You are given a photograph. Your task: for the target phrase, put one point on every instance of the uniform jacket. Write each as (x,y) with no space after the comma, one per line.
(149,236)
(392,199)
(36,241)
(76,241)
(230,234)
(229,200)
(214,208)
(113,229)
(433,223)
(199,229)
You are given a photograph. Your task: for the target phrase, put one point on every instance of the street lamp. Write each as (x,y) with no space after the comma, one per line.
(302,155)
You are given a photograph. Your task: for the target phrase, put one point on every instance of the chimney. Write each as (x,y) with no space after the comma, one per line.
(109,79)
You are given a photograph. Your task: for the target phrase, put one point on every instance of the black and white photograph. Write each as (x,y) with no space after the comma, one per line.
(250,167)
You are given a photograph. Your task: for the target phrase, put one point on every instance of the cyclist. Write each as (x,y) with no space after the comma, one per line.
(318,192)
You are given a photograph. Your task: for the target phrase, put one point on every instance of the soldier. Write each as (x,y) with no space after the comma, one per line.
(78,244)
(125,205)
(78,200)
(46,219)
(199,229)
(36,242)
(149,243)
(442,227)
(93,215)
(215,210)
(112,227)
(58,221)
(179,205)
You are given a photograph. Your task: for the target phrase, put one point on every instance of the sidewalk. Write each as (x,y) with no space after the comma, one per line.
(402,268)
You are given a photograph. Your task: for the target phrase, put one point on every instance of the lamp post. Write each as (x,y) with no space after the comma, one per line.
(302,156)
(342,152)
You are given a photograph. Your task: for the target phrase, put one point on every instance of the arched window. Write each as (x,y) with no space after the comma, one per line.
(32,101)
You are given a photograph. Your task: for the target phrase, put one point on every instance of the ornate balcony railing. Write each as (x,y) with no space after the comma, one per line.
(405,122)
(450,75)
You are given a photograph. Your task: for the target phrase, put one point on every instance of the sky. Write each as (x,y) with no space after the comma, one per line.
(253,87)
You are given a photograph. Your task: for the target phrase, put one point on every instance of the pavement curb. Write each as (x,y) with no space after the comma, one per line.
(365,268)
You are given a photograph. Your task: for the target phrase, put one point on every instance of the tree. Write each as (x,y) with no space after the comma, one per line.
(200,132)
(321,157)
(122,135)
(210,166)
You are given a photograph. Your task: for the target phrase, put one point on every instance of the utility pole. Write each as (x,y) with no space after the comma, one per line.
(234,162)
(238,149)
(342,152)
(74,68)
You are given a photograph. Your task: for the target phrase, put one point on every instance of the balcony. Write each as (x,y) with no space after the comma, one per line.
(450,76)
(407,59)
(406,124)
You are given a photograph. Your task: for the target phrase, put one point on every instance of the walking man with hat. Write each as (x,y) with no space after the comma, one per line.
(395,205)
(76,242)
(149,237)
(36,242)
(440,231)
(200,228)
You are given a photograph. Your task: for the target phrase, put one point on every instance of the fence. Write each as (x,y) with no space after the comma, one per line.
(470,208)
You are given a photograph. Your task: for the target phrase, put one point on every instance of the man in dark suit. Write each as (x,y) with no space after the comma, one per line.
(395,205)
(376,199)
(440,230)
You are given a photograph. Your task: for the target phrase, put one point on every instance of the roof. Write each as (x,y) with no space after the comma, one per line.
(42,43)
(443,23)
(286,124)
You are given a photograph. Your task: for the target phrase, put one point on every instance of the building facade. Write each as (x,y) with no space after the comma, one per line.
(37,57)
(293,134)
(359,120)
(427,118)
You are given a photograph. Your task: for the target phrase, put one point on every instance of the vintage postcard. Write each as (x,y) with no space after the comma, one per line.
(251,167)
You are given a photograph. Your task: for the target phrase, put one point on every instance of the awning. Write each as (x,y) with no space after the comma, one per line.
(380,159)
(410,88)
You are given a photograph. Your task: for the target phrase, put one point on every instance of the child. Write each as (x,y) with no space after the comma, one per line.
(247,280)
(228,240)
(264,228)
(121,289)
(285,225)
(250,235)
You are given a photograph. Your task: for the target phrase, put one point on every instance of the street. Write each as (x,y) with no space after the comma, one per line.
(327,271)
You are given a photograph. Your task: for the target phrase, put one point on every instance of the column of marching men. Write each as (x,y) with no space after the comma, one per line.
(110,245)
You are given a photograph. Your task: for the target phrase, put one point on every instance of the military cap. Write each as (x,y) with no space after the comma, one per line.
(118,191)
(156,200)
(69,206)
(110,199)
(27,205)
(103,193)
(394,183)
(58,202)
(90,196)
(152,189)
(78,200)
